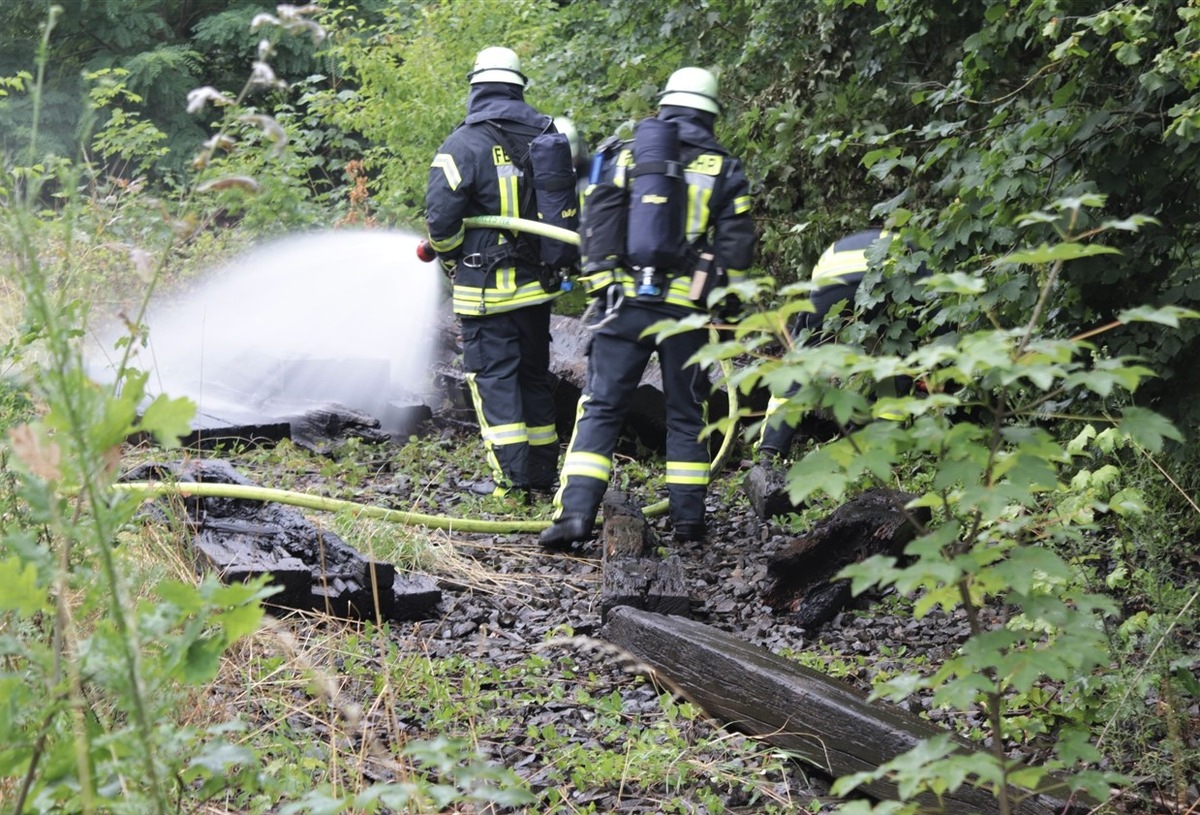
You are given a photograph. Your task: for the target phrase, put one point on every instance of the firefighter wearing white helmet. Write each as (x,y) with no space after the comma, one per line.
(692,88)
(705,238)
(497,64)
(500,291)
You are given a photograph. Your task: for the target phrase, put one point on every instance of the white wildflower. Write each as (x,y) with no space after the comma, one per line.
(294,22)
(262,75)
(265,49)
(199,97)
(317,33)
(263,19)
(271,128)
(143,263)
(220,141)
(240,182)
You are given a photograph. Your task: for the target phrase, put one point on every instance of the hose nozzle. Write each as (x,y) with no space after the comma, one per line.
(425,251)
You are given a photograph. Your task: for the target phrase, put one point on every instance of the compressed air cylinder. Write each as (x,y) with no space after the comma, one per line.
(657,198)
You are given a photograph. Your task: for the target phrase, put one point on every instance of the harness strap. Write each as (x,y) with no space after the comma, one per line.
(671,169)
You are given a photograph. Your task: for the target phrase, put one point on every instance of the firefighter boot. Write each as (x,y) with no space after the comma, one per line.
(689,531)
(565,531)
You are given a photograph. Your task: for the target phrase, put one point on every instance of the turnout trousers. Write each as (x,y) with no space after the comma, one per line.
(507,359)
(777,435)
(618,356)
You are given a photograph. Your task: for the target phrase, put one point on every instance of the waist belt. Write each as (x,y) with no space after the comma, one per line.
(509,254)
(502,254)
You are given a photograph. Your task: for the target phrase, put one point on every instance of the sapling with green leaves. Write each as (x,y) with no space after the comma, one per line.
(1002,446)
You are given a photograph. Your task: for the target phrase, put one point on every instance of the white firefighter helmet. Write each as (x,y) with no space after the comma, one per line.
(497,64)
(691,88)
(566,127)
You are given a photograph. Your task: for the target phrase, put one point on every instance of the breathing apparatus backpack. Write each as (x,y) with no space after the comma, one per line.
(546,162)
(633,215)
(657,193)
(603,223)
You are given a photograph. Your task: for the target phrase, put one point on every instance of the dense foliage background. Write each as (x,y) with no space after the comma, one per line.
(948,119)
(1040,154)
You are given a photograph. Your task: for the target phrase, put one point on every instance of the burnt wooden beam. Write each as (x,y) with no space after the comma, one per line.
(766,488)
(326,427)
(312,567)
(803,574)
(824,722)
(634,574)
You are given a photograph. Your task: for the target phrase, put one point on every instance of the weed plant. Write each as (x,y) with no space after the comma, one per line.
(1025,452)
(129,685)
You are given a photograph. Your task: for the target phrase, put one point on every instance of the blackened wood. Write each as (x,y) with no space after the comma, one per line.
(826,723)
(802,574)
(323,428)
(647,583)
(626,533)
(314,569)
(765,485)
(210,432)
(633,572)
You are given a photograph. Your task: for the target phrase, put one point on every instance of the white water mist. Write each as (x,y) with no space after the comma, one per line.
(345,316)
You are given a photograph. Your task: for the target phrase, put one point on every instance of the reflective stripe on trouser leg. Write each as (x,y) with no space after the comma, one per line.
(543,456)
(504,445)
(615,364)
(776,433)
(585,477)
(491,357)
(687,389)
(537,395)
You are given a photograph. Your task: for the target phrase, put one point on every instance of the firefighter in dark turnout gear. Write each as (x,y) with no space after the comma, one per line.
(837,273)
(500,291)
(718,242)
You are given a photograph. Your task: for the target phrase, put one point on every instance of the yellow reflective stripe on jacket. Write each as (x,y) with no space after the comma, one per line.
(587,465)
(774,403)
(510,203)
(506,279)
(679,291)
(839,264)
(701,177)
(445,163)
(834,263)
(687,472)
(596,281)
(542,435)
(741,205)
(677,294)
(447,244)
(621,167)
(474,301)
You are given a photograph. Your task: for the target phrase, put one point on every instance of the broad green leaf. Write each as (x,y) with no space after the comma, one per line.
(1147,428)
(183,596)
(240,621)
(217,757)
(1045,253)
(168,420)
(21,592)
(1166,315)
(203,659)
